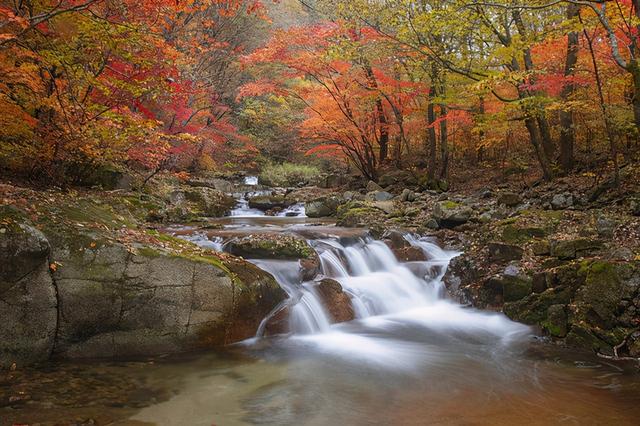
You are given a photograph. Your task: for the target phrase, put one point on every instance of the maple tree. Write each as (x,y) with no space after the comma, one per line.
(103,82)
(433,85)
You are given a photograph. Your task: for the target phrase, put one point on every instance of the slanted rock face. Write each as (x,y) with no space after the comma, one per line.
(27,295)
(114,303)
(105,300)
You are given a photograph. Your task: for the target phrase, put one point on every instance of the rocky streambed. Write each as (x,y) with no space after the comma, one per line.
(346,314)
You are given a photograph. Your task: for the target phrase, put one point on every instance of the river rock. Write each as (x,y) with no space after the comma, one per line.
(379,196)
(573,248)
(450,214)
(353,196)
(407,195)
(500,252)
(562,201)
(270,246)
(397,177)
(372,187)
(409,254)
(336,300)
(28,304)
(556,323)
(192,203)
(509,199)
(269,202)
(322,207)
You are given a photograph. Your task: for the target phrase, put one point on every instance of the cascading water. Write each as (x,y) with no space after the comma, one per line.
(388,298)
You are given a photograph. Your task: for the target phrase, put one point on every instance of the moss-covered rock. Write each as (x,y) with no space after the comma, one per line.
(514,234)
(269,202)
(271,246)
(574,248)
(27,293)
(533,308)
(597,302)
(556,322)
(358,213)
(450,214)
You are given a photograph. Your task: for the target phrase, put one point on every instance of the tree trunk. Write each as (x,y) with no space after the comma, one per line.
(536,141)
(567,126)
(444,144)
(634,68)
(383,124)
(431,136)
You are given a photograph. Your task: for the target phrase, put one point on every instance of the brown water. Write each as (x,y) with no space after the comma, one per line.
(280,385)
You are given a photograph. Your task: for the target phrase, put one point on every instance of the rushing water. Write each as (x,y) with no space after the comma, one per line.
(411,357)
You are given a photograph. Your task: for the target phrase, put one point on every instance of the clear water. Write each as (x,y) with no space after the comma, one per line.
(411,357)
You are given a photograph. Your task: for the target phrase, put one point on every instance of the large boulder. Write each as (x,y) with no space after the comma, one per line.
(397,177)
(450,214)
(72,292)
(322,207)
(270,246)
(28,304)
(115,302)
(196,202)
(509,199)
(574,248)
(270,202)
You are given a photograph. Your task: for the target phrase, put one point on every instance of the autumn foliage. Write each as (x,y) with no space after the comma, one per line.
(97,83)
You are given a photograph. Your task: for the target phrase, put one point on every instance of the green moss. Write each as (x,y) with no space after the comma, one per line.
(514,234)
(449,204)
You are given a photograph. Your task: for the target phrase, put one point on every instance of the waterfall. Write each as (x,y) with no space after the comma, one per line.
(251,180)
(385,294)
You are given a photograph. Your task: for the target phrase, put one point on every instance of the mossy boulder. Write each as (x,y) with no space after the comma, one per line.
(574,248)
(358,213)
(117,302)
(450,214)
(269,202)
(28,303)
(556,323)
(514,234)
(598,301)
(500,252)
(323,207)
(533,308)
(271,246)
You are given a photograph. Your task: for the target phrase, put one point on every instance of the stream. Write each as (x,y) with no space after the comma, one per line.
(411,356)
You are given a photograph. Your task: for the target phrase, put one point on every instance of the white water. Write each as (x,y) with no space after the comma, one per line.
(392,305)
(201,239)
(251,180)
(243,210)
